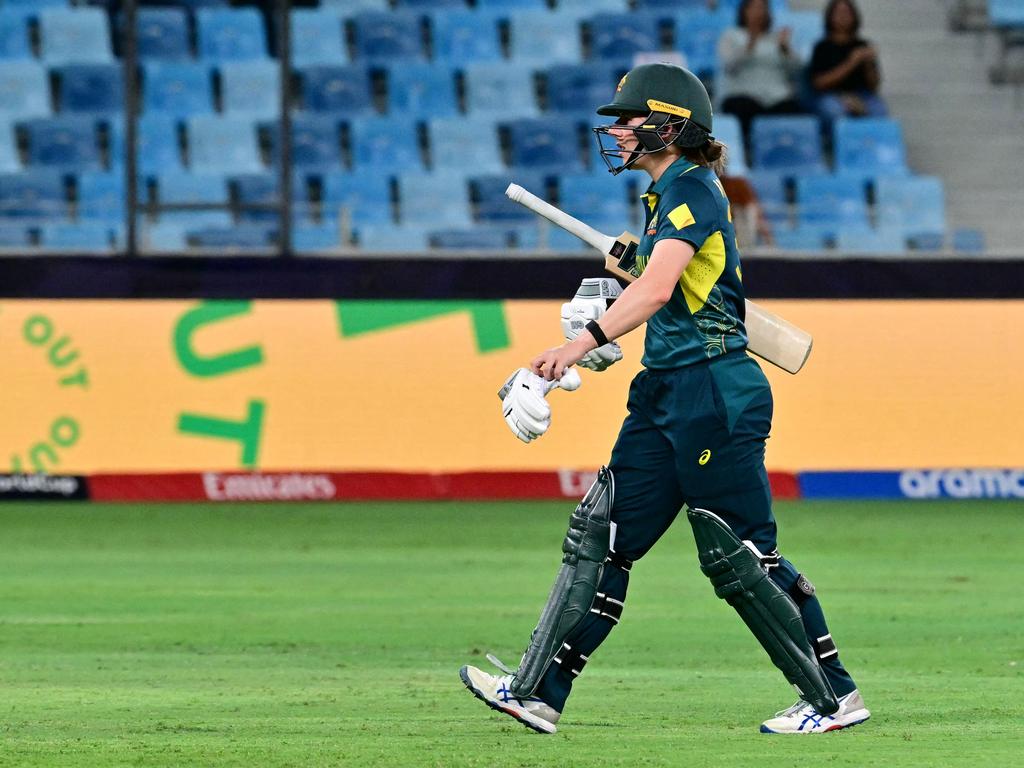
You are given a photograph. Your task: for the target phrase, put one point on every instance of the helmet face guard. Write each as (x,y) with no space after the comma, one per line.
(649,138)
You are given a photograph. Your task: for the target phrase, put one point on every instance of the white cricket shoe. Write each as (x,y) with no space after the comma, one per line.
(494,692)
(802,717)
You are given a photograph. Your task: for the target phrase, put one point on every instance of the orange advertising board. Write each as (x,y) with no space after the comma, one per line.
(150,386)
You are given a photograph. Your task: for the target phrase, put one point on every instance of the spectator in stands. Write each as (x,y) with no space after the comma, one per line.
(844,71)
(759,67)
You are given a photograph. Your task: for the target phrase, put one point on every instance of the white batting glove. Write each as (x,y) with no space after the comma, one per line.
(575,316)
(523,406)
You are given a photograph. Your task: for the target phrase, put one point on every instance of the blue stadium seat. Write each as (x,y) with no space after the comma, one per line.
(869,240)
(428,5)
(870,145)
(592,197)
(180,188)
(82,236)
(727,130)
(162,33)
(422,90)
(1005,13)
(791,144)
(24,89)
(35,193)
(390,144)
(163,237)
(473,239)
(829,202)
(620,36)
(967,240)
(487,192)
(158,149)
(177,88)
(74,36)
(262,189)
(365,196)
(337,89)
(672,5)
(14,42)
(916,205)
(315,142)
(440,200)
(381,38)
(251,88)
(544,38)
(240,237)
(500,88)
(93,88)
(696,35)
(14,235)
(463,36)
(36,5)
(63,142)
(464,142)
(511,5)
(573,87)
(317,37)
(557,240)
(771,194)
(356,6)
(8,149)
(222,144)
(309,238)
(101,196)
(799,239)
(578,9)
(230,34)
(550,142)
(377,238)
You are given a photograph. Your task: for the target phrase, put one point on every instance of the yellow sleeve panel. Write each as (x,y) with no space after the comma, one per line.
(703,271)
(681,217)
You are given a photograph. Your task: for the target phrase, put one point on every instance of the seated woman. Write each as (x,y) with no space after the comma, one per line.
(844,71)
(759,68)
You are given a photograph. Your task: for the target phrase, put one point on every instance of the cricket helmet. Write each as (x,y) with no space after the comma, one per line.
(671,98)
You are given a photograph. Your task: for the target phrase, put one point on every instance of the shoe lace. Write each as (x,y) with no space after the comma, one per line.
(792,710)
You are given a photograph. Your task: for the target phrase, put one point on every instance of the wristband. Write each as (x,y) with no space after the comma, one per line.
(597,333)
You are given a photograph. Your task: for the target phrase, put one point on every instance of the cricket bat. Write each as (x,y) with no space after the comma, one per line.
(769,336)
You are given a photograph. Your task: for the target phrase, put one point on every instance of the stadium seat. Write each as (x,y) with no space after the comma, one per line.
(65,142)
(158,145)
(596,198)
(464,142)
(409,238)
(14,42)
(578,9)
(162,237)
(1005,13)
(383,37)
(263,189)
(727,131)
(316,142)
(82,236)
(101,196)
(791,144)
(177,88)
(487,194)
(422,90)
(355,6)
(363,196)
(317,37)
(24,89)
(474,239)
(576,87)
(74,36)
(460,37)
(225,144)
(240,237)
(500,88)
(550,142)
(428,5)
(251,88)
(770,187)
(224,34)
(35,193)
(309,238)
(696,35)
(557,240)
(440,200)
(162,33)
(544,38)
(193,189)
(337,89)
(14,235)
(870,145)
(966,240)
(511,5)
(390,144)
(620,36)
(870,240)
(799,239)
(915,205)
(93,88)
(8,148)
(829,202)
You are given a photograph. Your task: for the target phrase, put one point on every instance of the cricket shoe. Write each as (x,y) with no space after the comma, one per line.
(494,691)
(802,717)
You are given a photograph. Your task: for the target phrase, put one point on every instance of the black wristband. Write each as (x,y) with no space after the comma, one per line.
(597,333)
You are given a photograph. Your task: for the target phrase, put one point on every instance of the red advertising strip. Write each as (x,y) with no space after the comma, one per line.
(355,486)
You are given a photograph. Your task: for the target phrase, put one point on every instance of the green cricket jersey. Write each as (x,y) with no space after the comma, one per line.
(704,317)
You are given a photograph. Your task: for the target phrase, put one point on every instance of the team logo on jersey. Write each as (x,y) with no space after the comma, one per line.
(652,227)
(705,457)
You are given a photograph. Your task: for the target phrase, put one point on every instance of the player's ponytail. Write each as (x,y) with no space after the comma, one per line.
(712,154)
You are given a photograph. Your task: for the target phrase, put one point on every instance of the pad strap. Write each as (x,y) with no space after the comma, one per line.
(572,661)
(608,607)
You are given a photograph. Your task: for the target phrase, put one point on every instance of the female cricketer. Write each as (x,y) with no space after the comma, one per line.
(698,417)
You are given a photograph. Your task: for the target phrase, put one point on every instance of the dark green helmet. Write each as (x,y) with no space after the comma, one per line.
(661,88)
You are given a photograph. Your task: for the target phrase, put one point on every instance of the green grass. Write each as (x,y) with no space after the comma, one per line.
(302,635)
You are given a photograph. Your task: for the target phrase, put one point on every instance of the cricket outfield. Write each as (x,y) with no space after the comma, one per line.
(306,635)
